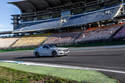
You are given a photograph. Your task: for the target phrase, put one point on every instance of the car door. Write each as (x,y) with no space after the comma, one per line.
(45,50)
(41,52)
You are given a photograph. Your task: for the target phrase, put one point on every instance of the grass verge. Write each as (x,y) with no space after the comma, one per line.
(17,49)
(61,74)
(14,76)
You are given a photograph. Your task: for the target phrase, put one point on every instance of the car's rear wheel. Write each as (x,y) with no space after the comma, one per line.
(54,53)
(37,54)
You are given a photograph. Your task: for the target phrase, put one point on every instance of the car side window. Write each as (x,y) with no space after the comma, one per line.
(46,47)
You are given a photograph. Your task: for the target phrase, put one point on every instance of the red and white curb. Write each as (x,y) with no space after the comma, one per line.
(63,66)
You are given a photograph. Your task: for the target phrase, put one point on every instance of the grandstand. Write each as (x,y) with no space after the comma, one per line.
(69,21)
(27,41)
(62,13)
(120,34)
(100,33)
(62,38)
(7,42)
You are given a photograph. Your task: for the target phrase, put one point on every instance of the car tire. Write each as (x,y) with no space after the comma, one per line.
(54,53)
(37,54)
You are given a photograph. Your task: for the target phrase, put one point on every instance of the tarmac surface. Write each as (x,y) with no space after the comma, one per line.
(111,58)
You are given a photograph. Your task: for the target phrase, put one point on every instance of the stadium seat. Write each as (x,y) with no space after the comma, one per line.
(7,42)
(34,40)
(120,34)
(62,38)
(102,33)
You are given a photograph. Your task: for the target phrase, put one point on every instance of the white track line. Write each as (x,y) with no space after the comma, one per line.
(64,66)
(99,47)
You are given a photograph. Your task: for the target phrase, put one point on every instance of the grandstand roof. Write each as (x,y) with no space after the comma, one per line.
(28,6)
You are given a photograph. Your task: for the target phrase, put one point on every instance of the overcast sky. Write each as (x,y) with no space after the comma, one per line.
(6,10)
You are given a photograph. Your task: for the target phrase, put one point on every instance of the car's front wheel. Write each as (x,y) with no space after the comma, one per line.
(54,53)
(37,54)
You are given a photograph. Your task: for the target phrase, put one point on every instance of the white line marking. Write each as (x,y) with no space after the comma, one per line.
(98,47)
(64,66)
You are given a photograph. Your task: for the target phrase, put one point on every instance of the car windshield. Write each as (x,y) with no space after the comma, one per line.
(52,46)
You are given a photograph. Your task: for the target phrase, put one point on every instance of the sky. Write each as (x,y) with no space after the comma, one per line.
(6,10)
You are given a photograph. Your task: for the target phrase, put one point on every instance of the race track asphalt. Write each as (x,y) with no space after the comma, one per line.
(112,58)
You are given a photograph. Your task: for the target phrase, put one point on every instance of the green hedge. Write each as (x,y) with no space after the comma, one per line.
(91,44)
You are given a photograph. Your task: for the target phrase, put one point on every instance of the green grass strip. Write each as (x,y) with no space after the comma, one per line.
(71,74)
(18,49)
(8,75)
